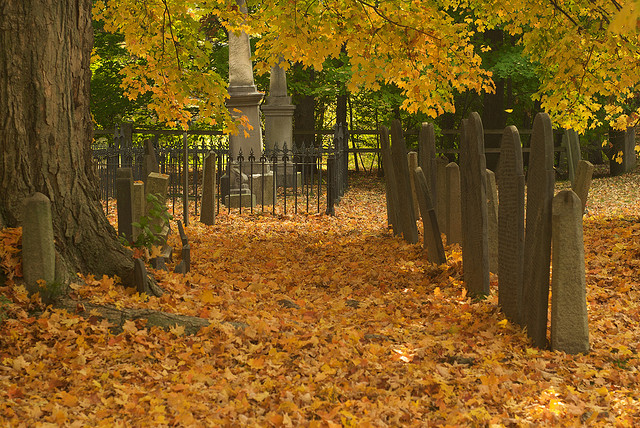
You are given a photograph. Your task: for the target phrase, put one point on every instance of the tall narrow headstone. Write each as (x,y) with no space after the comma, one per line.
(584,173)
(138,207)
(441,191)
(427,158)
(569,321)
(432,237)
(38,250)
(150,159)
(511,226)
(389,181)
(208,209)
(405,213)
(492,219)
(475,240)
(124,201)
(454,209)
(157,185)
(412,160)
(537,242)
(571,144)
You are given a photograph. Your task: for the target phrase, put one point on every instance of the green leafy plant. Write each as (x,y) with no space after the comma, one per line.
(150,225)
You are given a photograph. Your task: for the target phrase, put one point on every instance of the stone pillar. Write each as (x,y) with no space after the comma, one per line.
(475,240)
(208,208)
(569,321)
(124,199)
(244,97)
(278,111)
(511,226)
(38,250)
(492,219)
(454,214)
(584,173)
(412,161)
(537,241)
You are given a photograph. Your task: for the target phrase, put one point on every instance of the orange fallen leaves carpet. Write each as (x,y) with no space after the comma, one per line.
(324,322)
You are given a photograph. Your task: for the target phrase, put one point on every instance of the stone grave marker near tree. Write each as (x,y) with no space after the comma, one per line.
(432,237)
(405,213)
(412,160)
(389,181)
(492,219)
(208,208)
(454,209)
(475,242)
(441,191)
(38,250)
(427,158)
(582,184)
(124,202)
(571,144)
(537,243)
(511,261)
(569,320)
(138,207)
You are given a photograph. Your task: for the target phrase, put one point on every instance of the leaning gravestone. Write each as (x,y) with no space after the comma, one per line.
(441,191)
(537,241)
(432,237)
(475,240)
(124,201)
(412,160)
(405,214)
(389,181)
(511,226)
(569,321)
(492,219)
(38,250)
(583,181)
(427,158)
(454,214)
(208,208)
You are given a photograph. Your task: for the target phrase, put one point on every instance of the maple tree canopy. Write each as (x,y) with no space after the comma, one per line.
(586,50)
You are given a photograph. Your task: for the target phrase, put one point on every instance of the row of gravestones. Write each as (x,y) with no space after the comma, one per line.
(462,201)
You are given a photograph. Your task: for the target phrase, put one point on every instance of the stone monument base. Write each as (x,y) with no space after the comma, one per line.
(237,200)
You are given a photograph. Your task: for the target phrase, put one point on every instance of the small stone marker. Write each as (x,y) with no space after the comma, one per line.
(492,219)
(537,241)
(412,161)
(569,321)
(139,207)
(432,237)
(158,263)
(124,201)
(475,240)
(389,181)
(38,250)
(454,209)
(208,208)
(186,257)
(441,191)
(583,181)
(511,226)
(139,276)
(405,212)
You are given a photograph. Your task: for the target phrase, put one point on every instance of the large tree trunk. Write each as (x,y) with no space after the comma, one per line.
(46,130)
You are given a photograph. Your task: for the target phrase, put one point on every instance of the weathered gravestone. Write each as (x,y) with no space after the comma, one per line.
(441,191)
(389,181)
(571,145)
(569,321)
(208,208)
(582,184)
(138,207)
(405,213)
(157,185)
(432,237)
(412,160)
(38,250)
(511,226)
(492,219)
(454,209)
(622,156)
(124,201)
(239,193)
(537,241)
(475,240)
(427,158)
(185,264)
(150,159)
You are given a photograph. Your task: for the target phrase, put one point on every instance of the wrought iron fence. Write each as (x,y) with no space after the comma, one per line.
(311,178)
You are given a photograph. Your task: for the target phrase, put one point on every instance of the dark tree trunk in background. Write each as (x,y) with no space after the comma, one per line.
(303,116)
(493,114)
(46,130)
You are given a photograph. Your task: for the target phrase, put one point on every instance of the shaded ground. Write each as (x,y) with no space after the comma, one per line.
(322,321)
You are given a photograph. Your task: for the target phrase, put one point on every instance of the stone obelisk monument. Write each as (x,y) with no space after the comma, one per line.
(278,112)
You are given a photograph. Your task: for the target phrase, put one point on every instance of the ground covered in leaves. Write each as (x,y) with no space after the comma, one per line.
(326,321)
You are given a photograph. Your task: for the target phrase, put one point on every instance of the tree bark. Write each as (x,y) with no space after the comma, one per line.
(46,130)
